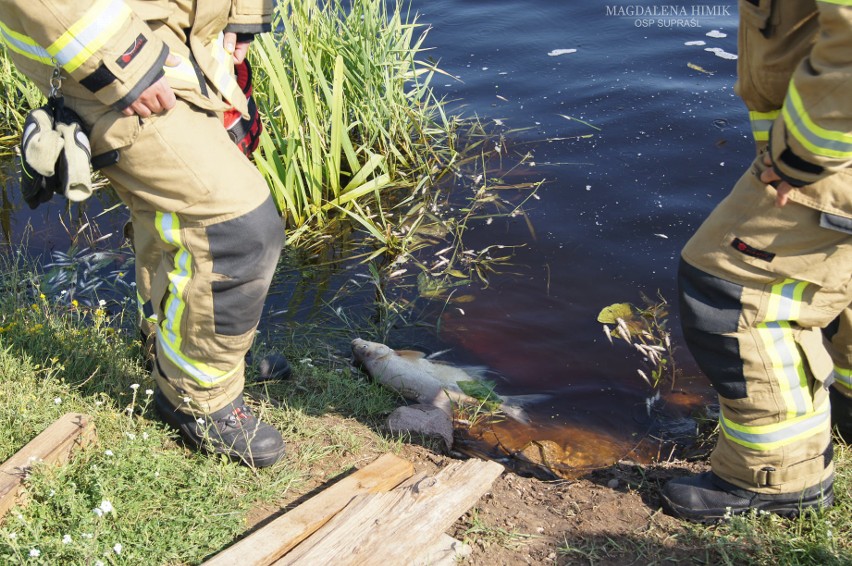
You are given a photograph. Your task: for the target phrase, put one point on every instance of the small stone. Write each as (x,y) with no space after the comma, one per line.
(612,484)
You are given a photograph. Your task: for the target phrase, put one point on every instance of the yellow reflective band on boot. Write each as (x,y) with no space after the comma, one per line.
(788,366)
(820,141)
(843,377)
(91,32)
(169,338)
(761,122)
(773,436)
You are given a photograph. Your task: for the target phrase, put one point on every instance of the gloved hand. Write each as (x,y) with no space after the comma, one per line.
(40,149)
(73,170)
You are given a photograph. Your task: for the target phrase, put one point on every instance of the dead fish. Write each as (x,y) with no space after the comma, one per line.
(420,379)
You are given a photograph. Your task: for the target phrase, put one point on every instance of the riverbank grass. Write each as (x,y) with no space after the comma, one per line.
(138,496)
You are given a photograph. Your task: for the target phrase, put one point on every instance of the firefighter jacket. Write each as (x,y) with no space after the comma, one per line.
(795,76)
(110,51)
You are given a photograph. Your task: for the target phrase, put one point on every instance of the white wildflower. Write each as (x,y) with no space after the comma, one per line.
(13,536)
(134,387)
(58,400)
(35,553)
(98,511)
(87,535)
(106,506)
(117,548)
(66,539)
(149,392)
(108,453)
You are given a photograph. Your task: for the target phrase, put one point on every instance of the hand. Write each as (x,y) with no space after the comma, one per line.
(770,177)
(239,50)
(157,98)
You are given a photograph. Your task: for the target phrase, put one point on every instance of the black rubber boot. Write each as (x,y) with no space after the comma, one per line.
(707,498)
(841,415)
(233,431)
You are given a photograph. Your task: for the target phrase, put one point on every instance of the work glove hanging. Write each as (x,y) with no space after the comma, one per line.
(40,149)
(55,155)
(74,169)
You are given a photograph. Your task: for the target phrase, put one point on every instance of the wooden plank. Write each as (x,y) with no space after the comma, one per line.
(53,446)
(447,551)
(272,541)
(399,527)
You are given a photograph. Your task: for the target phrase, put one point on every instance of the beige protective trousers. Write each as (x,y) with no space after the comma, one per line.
(207,238)
(765,306)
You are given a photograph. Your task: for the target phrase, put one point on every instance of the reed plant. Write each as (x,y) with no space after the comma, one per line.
(17,97)
(348,112)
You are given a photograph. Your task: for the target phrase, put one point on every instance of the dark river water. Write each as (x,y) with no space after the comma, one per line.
(668,138)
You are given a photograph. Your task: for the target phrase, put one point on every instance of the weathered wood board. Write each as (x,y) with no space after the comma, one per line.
(399,527)
(269,543)
(53,446)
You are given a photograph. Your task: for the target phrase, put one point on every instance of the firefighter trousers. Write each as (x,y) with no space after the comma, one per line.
(765,296)
(207,238)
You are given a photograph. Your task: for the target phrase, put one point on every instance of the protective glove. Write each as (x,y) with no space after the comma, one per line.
(55,156)
(244,132)
(73,170)
(40,149)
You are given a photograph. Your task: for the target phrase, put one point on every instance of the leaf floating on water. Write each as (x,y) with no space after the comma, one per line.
(612,313)
(482,390)
(557,52)
(699,68)
(463,299)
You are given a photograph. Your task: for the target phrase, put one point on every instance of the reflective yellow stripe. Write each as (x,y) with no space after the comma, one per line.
(88,34)
(140,303)
(761,122)
(843,377)
(24,45)
(82,40)
(184,72)
(773,436)
(223,75)
(818,140)
(169,337)
(784,306)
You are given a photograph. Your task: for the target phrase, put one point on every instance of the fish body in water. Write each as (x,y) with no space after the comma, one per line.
(423,380)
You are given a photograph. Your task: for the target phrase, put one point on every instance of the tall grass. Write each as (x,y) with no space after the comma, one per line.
(348,110)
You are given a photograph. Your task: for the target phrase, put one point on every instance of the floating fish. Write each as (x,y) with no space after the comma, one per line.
(420,379)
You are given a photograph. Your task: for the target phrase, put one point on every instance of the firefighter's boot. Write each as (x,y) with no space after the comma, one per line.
(232,430)
(707,498)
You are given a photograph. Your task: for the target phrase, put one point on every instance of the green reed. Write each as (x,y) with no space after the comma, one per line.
(348,111)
